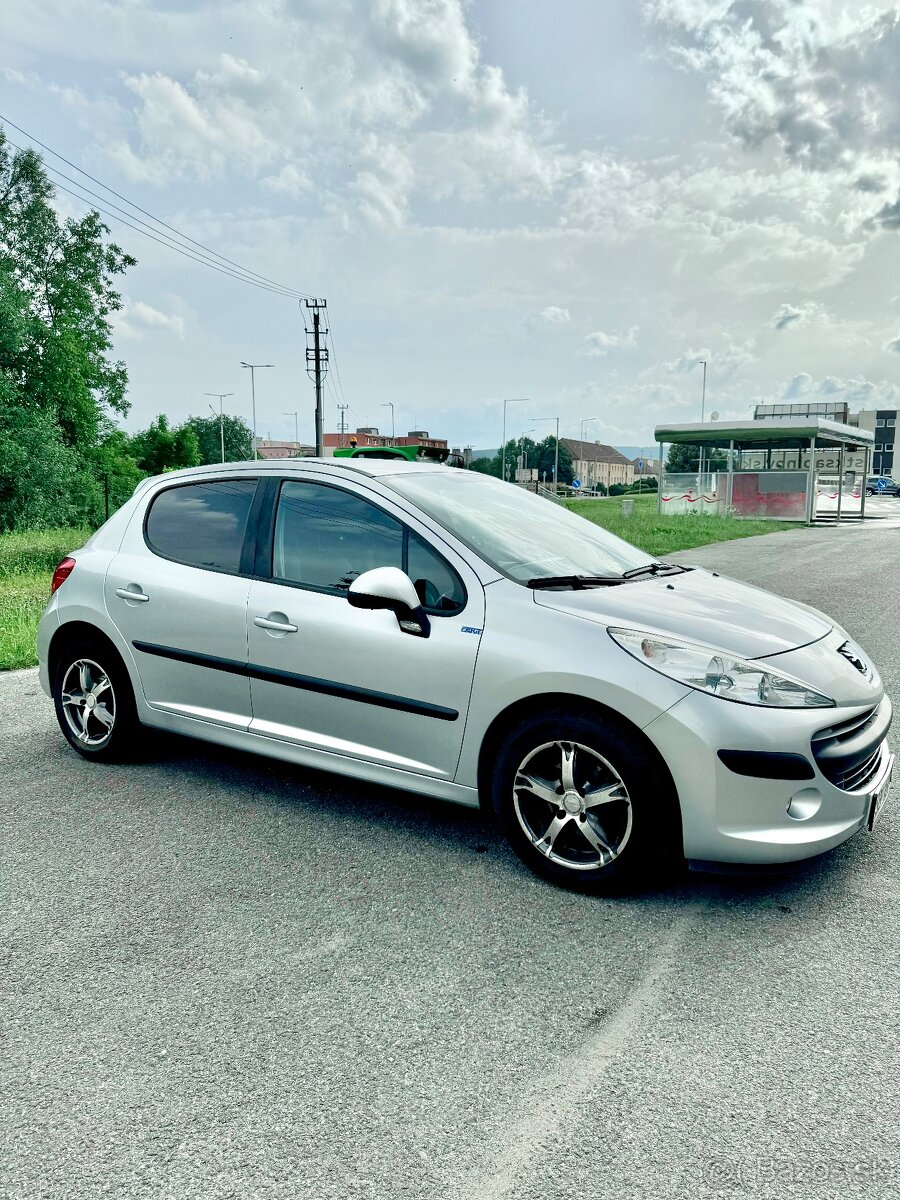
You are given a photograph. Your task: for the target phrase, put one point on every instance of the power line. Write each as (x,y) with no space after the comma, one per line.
(185,237)
(173,246)
(252,277)
(337,369)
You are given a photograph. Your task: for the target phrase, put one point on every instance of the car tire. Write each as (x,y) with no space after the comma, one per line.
(870,491)
(94,701)
(599,813)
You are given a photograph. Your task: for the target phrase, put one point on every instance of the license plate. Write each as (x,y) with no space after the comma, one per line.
(879,800)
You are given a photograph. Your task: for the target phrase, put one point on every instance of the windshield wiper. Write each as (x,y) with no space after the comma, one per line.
(654,568)
(574,581)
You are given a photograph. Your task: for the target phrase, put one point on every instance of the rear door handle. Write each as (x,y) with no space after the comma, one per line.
(129,594)
(274,626)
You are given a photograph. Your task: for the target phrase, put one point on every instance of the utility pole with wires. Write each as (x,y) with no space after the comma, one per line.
(342,408)
(296,417)
(317,359)
(222,397)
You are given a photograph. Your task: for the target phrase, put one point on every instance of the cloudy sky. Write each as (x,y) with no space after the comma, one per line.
(499,198)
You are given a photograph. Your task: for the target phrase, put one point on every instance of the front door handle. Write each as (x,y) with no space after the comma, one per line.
(132,593)
(273,625)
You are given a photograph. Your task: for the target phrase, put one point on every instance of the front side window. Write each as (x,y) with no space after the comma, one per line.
(326,537)
(201,524)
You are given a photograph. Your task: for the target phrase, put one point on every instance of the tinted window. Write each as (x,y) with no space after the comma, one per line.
(325,537)
(440,589)
(202,524)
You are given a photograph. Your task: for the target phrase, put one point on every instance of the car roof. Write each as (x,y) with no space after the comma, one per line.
(372,467)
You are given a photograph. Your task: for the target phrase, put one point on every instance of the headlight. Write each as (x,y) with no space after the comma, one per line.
(719,672)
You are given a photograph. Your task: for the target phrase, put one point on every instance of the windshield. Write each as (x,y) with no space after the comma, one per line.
(523,535)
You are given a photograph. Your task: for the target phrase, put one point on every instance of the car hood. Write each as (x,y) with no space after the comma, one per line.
(701,606)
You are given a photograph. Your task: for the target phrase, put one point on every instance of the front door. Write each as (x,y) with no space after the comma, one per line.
(350,681)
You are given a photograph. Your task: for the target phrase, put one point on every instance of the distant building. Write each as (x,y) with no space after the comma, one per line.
(882,422)
(368,435)
(267,448)
(594,463)
(831,410)
(645,467)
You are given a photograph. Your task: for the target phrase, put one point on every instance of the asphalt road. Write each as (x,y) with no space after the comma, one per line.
(224,977)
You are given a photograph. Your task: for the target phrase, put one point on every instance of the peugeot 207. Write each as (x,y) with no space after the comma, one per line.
(453,635)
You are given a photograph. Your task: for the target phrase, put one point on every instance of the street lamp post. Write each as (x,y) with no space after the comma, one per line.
(556,455)
(296,417)
(520,400)
(390,405)
(523,453)
(585,421)
(253,368)
(702,362)
(222,397)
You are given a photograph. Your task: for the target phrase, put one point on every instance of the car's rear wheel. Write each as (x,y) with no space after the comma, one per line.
(584,804)
(94,702)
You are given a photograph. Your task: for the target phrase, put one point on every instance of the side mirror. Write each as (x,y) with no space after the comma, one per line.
(388,587)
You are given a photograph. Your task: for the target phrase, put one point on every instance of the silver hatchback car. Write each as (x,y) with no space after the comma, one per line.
(444,632)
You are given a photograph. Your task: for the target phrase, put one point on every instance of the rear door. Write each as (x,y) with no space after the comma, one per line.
(350,681)
(177,591)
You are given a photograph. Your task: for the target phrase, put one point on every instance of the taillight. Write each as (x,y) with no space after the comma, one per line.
(62,573)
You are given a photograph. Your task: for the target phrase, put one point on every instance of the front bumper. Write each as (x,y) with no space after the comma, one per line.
(733,818)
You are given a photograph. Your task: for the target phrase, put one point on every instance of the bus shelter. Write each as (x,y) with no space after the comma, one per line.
(788,468)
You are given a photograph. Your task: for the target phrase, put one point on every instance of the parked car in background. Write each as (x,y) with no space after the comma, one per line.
(882,485)
(446,633)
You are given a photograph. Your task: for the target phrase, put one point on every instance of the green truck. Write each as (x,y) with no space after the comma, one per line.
(413,453)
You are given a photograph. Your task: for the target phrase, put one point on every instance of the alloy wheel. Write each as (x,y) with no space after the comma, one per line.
(89,702)
(573,805)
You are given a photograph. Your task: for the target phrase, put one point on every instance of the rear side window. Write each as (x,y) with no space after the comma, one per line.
(202,524)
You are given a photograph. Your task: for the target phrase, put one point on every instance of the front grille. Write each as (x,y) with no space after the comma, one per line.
(857,779)
(849,754)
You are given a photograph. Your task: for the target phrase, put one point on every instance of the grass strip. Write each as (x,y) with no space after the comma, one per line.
(27,560)
(659,534)
(22,600)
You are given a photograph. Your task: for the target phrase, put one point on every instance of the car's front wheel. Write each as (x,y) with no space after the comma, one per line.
(584,804)
(94,702)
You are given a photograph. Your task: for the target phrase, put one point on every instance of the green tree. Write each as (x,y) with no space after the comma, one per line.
(545,458)
(685,457)
(159,448)
(484,466)
(58,383)
(238,438)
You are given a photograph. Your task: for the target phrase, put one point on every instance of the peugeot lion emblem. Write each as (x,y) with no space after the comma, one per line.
(852,657)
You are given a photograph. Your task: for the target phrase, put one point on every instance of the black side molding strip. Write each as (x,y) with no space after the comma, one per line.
(307,683)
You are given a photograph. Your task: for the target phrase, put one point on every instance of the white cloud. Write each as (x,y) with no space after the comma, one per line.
(858,392)
(798,386)
(787,315)
(893,345)
(687,361)
(600,343)
(289,181)
(818,79)
(136,319)
(554,315)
